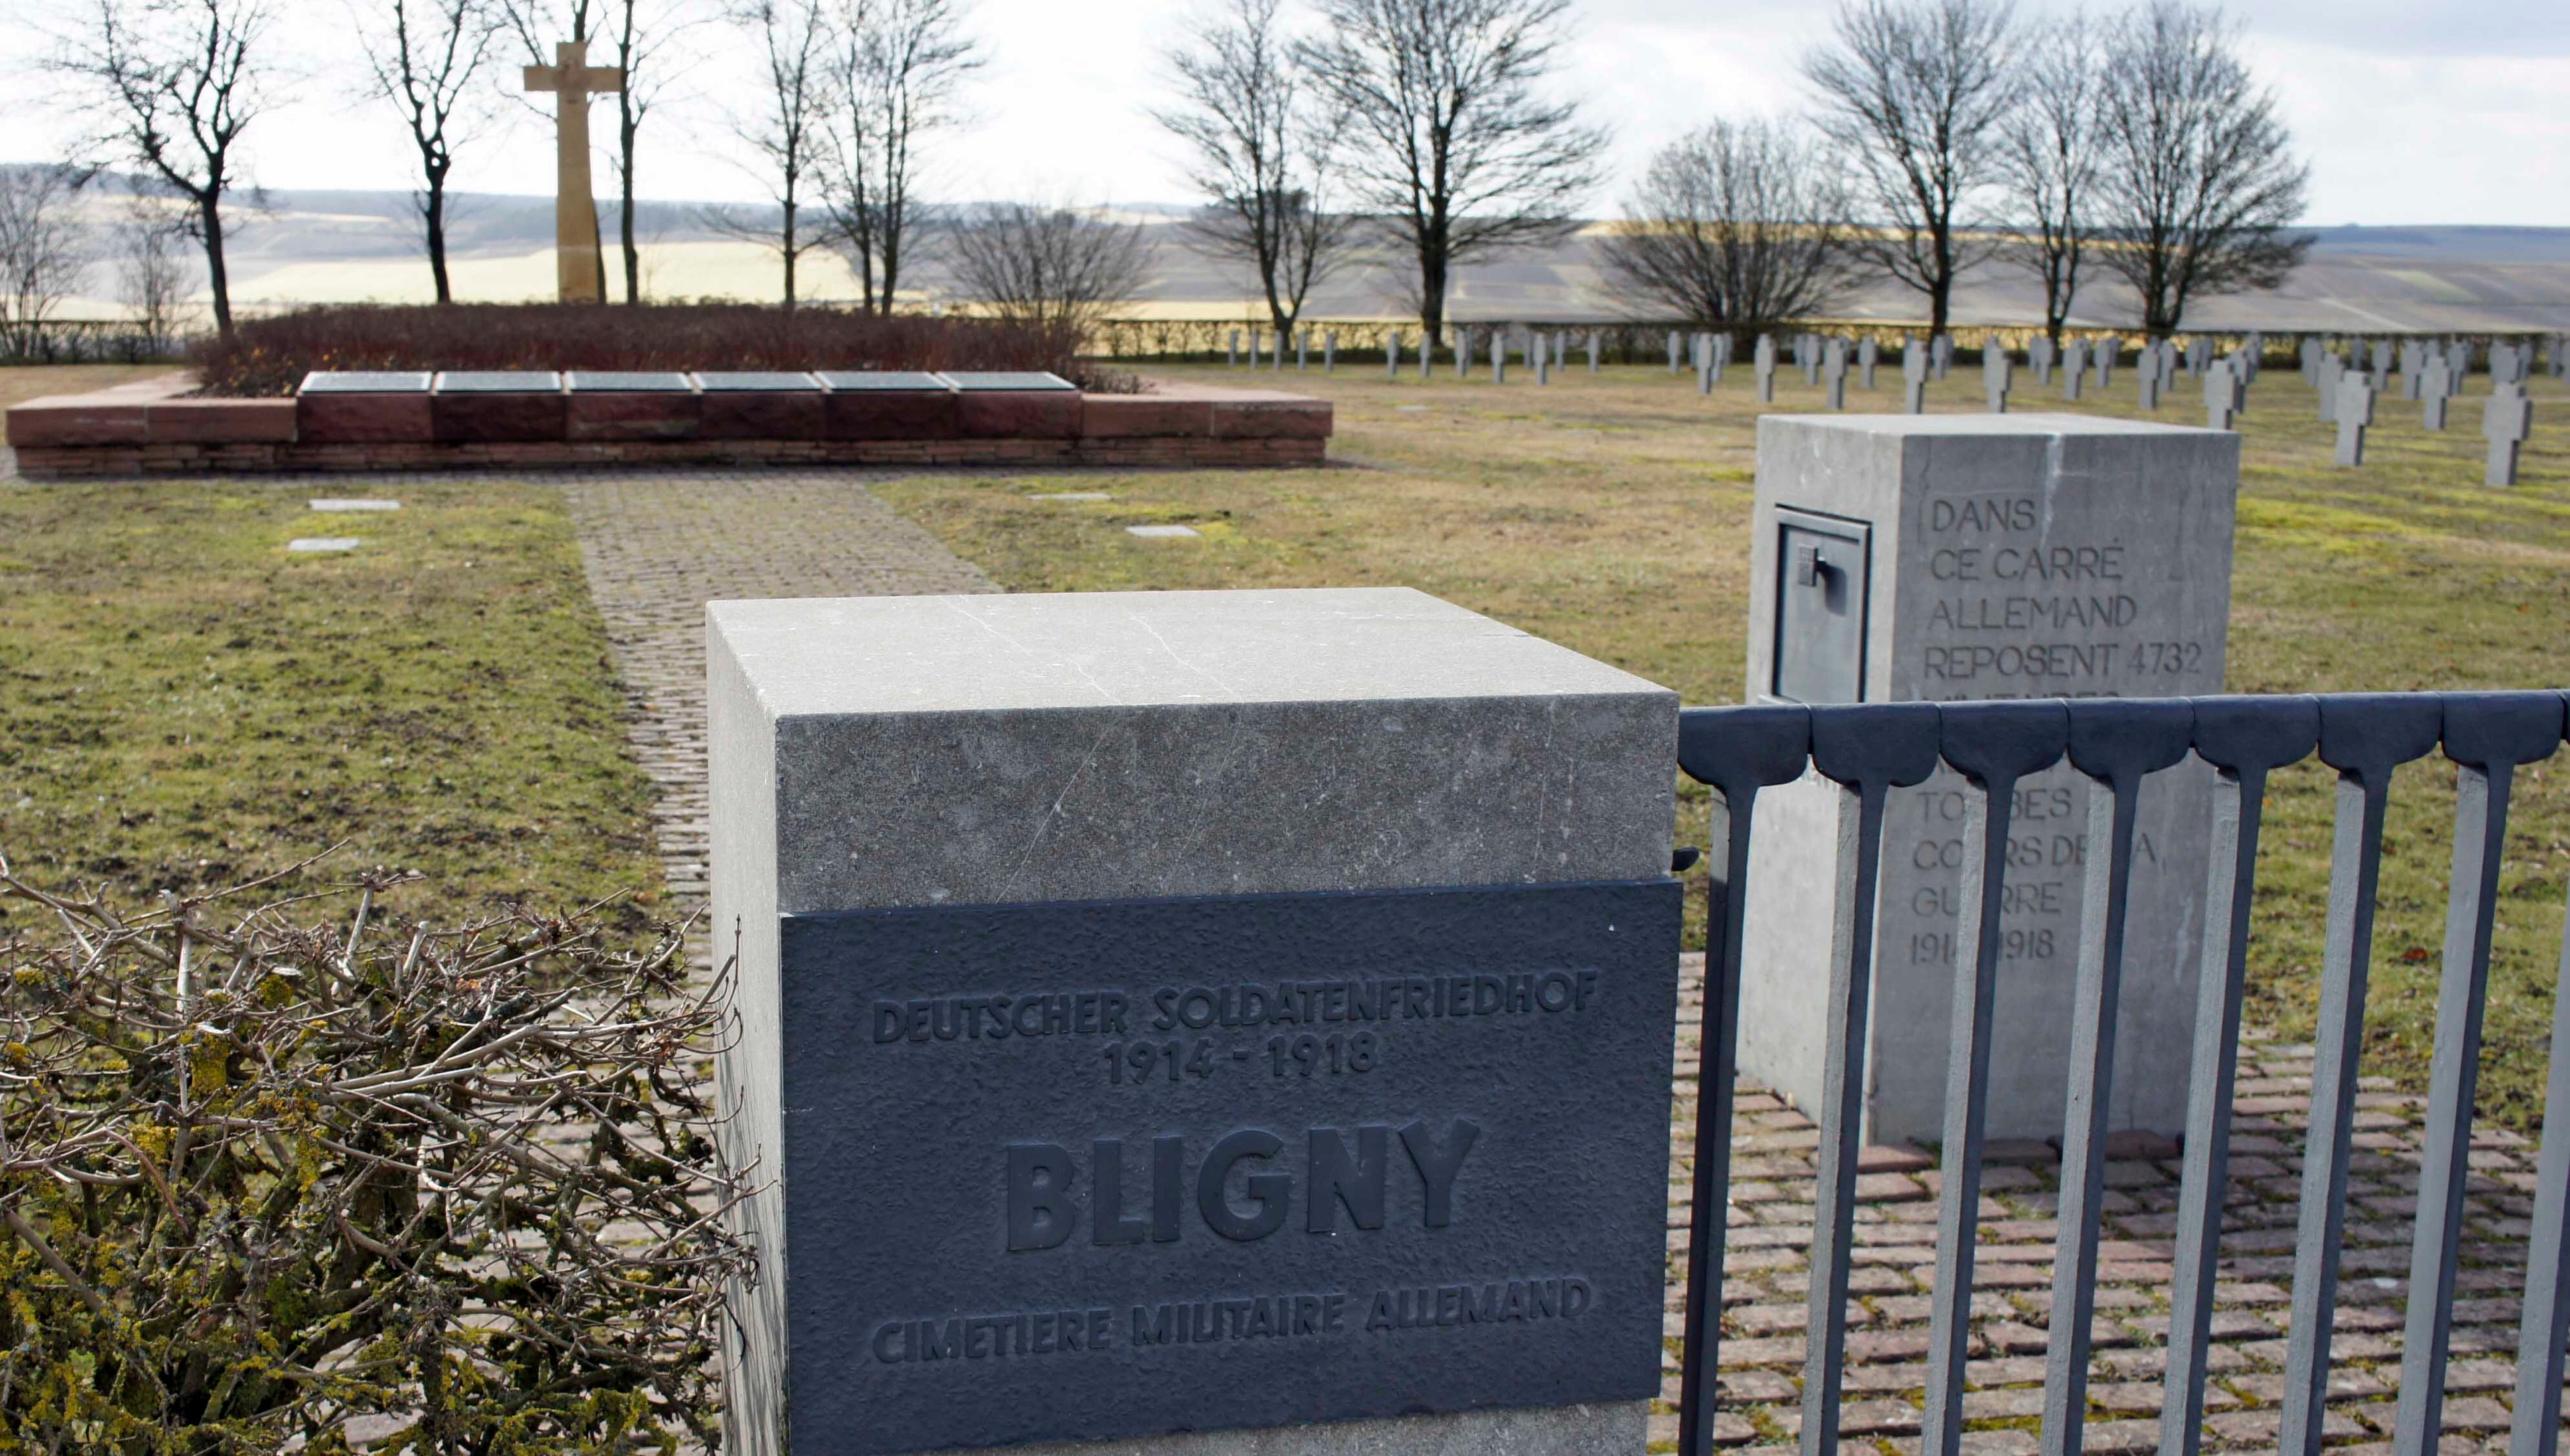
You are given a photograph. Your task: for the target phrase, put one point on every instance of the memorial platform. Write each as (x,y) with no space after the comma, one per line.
(445,421)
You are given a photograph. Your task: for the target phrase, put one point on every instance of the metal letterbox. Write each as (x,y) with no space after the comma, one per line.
(1823,576)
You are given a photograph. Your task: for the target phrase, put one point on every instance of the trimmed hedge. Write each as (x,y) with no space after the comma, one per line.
(268,357)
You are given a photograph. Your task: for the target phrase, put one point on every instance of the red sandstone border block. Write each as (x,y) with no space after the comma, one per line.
(475,417)
(726,414)
(363,419)
(1030,414)
(890,414)
(78,420)
(221,422)
(653,415)
(1277,420)
(1131,416)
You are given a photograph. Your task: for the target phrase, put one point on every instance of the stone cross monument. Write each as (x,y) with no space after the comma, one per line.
(577,270)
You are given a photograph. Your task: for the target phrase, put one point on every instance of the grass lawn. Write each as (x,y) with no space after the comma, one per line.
(183,704)
(1610,514)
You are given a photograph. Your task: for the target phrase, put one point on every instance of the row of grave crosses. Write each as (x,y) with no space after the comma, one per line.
(2430,374)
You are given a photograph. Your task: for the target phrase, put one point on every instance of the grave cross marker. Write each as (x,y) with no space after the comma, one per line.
(1914,378)
(2435,387)
(1673,351)
(1392,355)
(1766,369)
(2146,377)
(2039,354)
(1998,373)
(580,272)
(2110,350)
(2505,421)
(2355,412)
(2074,363)
(1834,368)
(2218,397)
(1867,352)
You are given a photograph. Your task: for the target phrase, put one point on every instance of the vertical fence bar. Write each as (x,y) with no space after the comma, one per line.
(1737,751)
(2535,1428)
(1867,751)
(2487,735)
(2115,745)
(2365,738)
(1992,745)
(2242,738)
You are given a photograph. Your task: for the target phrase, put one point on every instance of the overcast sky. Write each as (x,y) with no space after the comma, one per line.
(2412,111)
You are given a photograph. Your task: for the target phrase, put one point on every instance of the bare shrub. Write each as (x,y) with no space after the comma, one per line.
(260,1175)
(42,260)
(1048,266)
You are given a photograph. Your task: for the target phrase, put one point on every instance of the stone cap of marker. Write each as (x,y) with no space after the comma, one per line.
(628,381)
(755,380)
(974,380)
(862,381)
(365,381)
(498,381)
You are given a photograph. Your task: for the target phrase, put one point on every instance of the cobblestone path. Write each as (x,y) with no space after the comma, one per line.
(658,546)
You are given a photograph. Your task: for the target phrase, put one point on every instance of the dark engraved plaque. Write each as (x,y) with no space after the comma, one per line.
(1103,1170)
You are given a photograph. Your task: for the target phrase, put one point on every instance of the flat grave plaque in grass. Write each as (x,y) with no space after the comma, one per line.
(976,381)
(757,381)
(860,381)
(628,381)
(365,381)
(498,381)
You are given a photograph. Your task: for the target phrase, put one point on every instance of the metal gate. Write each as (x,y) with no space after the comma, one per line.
(1866,751)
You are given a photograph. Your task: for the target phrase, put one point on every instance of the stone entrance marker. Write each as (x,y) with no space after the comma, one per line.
(2505,421)
(1966,556)
(579,269)
(1122,1059)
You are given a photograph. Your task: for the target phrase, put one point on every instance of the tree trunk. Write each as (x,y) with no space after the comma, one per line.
(625,204)
(209,214)
(436,216)
(787,240)
(1431,289)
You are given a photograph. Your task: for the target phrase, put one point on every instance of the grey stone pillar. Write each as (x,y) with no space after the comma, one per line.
(1948,557)
(902,766)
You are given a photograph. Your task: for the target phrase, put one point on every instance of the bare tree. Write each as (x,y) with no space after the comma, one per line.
(1912,92)
(178,81)
(897,65)
(425,57)
(2048,158)
(2199,184)
(151,273)
(790,128)
(1261,156)
(1736,224)
(1048,266)
(1451,142)
(42,259)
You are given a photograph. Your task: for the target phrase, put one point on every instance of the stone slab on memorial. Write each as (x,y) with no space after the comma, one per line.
(363,406)
(479,407)
(1956,557)
(629,404)
(1251,1011)
(757,404)
(1014,404)
(888,405)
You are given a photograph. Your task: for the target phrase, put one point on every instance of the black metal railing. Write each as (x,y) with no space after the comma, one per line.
(1867,751)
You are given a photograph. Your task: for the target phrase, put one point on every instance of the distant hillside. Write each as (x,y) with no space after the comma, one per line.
(333,246)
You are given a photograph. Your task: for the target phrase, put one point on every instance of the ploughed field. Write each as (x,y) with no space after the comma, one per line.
(186,704)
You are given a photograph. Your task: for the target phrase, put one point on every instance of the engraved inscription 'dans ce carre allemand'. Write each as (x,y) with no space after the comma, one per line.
(1098,1170)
